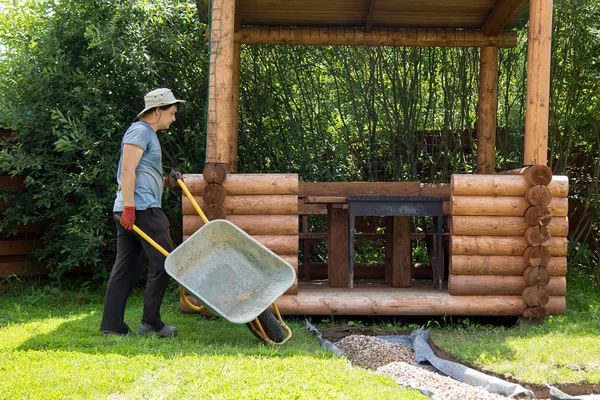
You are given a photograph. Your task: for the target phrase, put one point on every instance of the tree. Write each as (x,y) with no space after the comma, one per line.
(72,78)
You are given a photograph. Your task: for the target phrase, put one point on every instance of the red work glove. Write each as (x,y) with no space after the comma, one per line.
(128,217)
(171,179)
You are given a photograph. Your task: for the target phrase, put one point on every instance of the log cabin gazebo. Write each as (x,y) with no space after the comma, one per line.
(507,232)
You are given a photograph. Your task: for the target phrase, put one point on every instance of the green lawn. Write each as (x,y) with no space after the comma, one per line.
(565,349)
(50,348)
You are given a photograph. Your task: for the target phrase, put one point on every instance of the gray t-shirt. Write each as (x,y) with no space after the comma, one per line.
(149,184)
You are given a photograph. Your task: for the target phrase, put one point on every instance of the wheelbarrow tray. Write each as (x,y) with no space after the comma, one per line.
(229,272)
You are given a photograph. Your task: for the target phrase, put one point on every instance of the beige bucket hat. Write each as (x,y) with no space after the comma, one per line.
(158,98)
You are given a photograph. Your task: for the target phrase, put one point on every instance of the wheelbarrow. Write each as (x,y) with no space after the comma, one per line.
(231,274)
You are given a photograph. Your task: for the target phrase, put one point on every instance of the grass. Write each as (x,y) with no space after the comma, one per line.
(566,349)
(50,348)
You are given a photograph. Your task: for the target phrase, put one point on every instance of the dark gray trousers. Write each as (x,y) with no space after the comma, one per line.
(132,252)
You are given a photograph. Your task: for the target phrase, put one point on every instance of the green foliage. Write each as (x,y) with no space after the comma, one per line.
(72,78)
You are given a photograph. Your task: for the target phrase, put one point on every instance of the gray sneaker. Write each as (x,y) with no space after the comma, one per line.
(166,331)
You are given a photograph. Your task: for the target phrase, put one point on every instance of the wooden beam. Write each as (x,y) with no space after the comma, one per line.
(487,110)
(221,136)
(337,247)
(369,21)
(499,16)
(398,252)
(235,105)
(538,82)
(377,37)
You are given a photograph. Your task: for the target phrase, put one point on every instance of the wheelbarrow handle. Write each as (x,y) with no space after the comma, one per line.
(192,200)
(145,237)
(165,253)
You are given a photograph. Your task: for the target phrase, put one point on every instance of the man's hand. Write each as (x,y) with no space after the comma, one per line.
(171,179)
(128,217)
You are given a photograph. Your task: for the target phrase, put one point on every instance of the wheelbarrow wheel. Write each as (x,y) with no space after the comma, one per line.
(270,325)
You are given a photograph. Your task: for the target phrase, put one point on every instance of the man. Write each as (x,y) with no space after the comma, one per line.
(138,201)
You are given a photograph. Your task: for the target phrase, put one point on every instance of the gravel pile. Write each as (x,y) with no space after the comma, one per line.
(371,352)
(443,387)
(399,362)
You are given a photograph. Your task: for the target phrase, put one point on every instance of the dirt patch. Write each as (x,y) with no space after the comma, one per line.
(541,392)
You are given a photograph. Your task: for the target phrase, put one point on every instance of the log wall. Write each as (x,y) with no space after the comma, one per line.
(509,236)
(263,205)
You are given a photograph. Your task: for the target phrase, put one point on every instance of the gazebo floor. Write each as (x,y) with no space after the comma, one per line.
(377,298)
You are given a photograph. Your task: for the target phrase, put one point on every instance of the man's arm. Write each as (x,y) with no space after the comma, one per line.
(132,155)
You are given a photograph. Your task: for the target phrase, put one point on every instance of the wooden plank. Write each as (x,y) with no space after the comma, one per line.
(343,189)
(247,184)
(535,149)
(13,265)
(435,189)
(293,261)
(373,304)
(502,185)
(251,224)
(14,247)
(401,257)
(500,265)
(502,245)
(502,226)
(306,248)
(510,206)
(377,37)
(311,209)
(421,299)
(483,285)
(487,110)
(337,247)
(250,205)
(539,174)
(325,199)
(499,16)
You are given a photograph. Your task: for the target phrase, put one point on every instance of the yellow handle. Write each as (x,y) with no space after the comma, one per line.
(187,302)
(192,200)
(199,211)
(151,241)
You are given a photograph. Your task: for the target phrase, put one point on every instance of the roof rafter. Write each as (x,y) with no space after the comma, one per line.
(499,16)
(369,21)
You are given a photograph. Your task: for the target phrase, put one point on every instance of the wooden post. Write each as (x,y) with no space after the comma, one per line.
(235,79)
(538,82)
(220,124)
(487,110)
(337,246)
(398,252)
(305,249)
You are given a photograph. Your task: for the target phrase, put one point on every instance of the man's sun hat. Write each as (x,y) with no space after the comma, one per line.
(158,98)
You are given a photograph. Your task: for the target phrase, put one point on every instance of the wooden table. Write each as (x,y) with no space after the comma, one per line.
(400,208)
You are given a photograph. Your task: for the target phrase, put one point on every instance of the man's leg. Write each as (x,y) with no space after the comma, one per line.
(156,225)
(127,270)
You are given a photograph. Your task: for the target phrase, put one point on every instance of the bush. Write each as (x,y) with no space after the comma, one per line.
(72,78)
